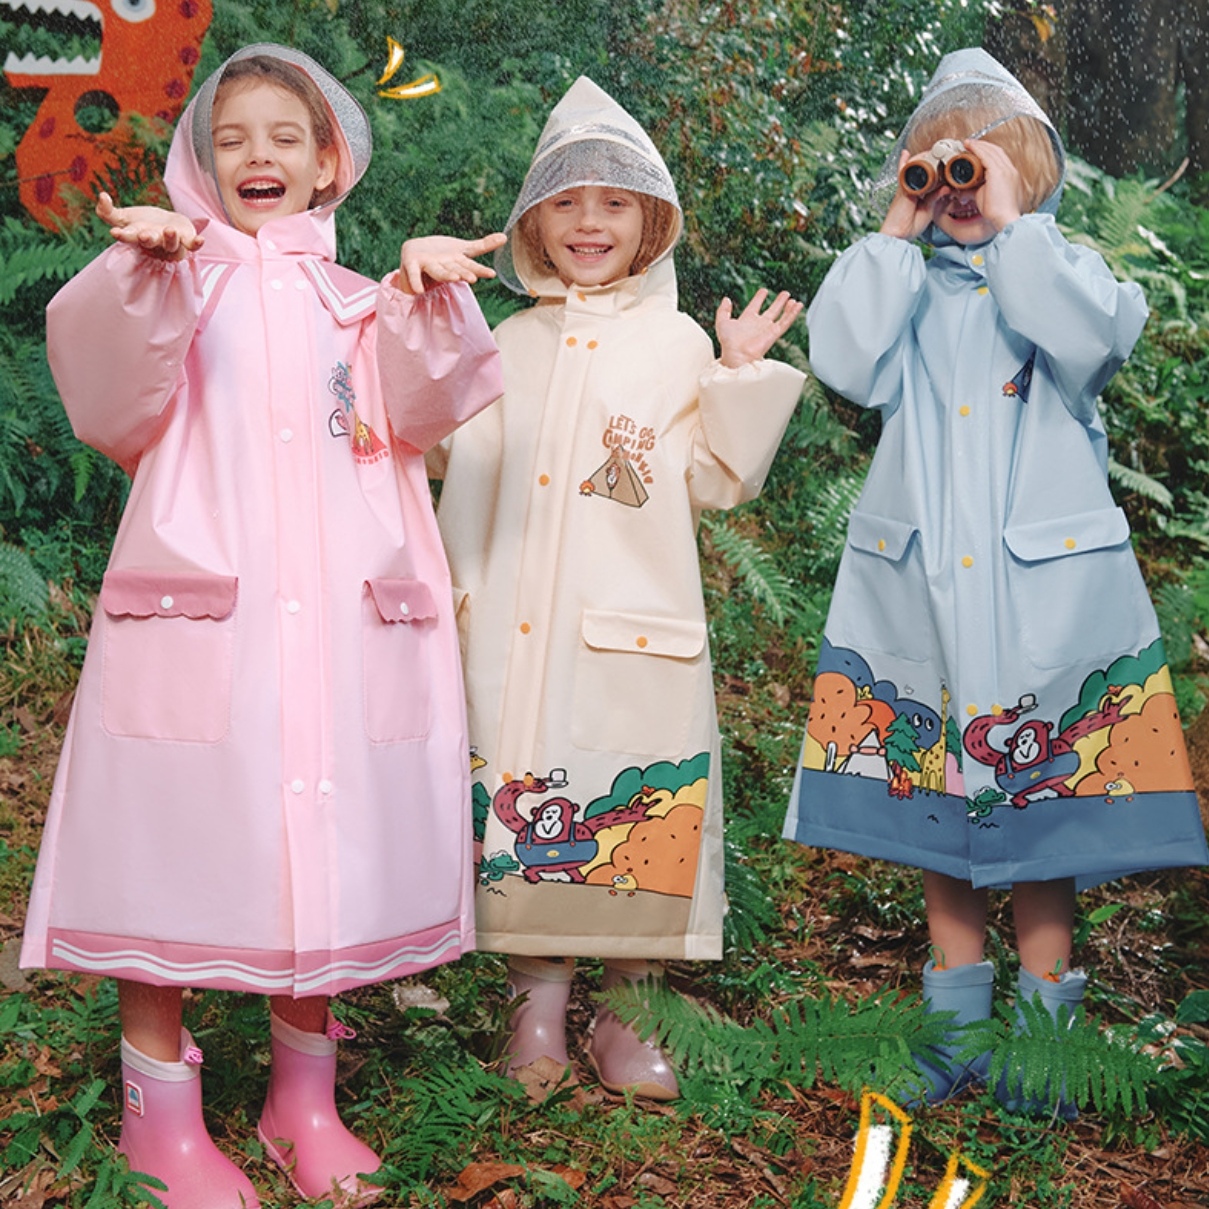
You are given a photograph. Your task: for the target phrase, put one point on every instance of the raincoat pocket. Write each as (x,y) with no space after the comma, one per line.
(168,646)
(638,683)
(399,622)
(1084,557)
(881,592)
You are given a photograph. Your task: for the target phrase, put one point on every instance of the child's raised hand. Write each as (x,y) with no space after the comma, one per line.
(746,337)
(1000,197)
(907,216)
(434,259)
(162,234)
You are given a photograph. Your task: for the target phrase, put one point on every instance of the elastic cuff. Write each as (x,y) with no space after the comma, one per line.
(167,1072)
(318,1045)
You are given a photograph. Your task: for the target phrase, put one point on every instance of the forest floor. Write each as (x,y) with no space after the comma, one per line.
(1147,957)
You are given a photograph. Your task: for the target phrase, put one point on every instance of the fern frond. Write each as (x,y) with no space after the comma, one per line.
(756,568)
(1042,1060)
(23,592)
(752,915)
(1139,483)
(39,261)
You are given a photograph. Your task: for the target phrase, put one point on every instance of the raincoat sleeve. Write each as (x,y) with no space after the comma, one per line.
(438,363)
(1065,300)
(743,413)
(860,320)
(116,338)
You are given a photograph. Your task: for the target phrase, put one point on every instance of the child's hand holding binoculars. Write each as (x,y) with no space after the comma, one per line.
(954,173)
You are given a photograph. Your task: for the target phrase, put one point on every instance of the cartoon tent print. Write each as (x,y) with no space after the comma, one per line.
(617,480)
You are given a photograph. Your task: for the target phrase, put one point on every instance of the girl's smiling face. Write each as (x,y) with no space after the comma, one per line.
(958,216)
(591,233)
(266,159)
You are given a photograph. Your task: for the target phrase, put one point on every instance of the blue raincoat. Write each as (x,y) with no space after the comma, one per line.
(992,700)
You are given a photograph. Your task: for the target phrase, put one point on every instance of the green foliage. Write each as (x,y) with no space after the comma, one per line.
(756,568)
(23,592)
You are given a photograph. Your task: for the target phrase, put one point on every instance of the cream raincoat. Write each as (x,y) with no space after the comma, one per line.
(570,515)
(264,781)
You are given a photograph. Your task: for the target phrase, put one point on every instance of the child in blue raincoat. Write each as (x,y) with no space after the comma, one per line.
(992,701)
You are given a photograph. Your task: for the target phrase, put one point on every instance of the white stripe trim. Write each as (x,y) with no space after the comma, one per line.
(188,972)
(210,277)
(344,306)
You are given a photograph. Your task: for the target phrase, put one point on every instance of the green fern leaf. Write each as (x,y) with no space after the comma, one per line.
(1139,483)
(756,568)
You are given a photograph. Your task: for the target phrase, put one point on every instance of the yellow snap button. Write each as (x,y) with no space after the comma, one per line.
(881,543)
(972,710)
(1070,543)
(976,261)
(982,289)
(641,640)
(581,296)
(544,480)
(965,411)
(525,627)
(996,710)
(967,561)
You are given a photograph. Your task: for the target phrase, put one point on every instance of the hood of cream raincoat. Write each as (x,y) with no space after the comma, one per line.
(589,139)
(189,173)
(963,78)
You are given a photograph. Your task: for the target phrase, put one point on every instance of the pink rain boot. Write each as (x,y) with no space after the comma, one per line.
(539,1025)
(300,1128)
(163,1133)
(622,1062)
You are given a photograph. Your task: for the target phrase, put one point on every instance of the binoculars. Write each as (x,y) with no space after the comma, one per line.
(947,163)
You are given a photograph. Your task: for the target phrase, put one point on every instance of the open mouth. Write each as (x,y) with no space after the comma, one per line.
(595,249)
(255,191)
(51,37)
(963,210)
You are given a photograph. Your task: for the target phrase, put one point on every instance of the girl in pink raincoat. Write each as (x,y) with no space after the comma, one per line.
(263,783)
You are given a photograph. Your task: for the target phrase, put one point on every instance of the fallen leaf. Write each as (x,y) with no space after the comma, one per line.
(1135,1198)
(542,1077)
(478,1177)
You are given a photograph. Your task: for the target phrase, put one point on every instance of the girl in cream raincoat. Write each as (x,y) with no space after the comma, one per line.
(992,703)
(263,785)
(570,516)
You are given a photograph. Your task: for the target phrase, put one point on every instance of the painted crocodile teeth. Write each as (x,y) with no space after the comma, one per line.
(43,65)
(71,8)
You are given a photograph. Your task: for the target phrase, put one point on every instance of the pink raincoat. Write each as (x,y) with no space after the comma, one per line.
(264,781)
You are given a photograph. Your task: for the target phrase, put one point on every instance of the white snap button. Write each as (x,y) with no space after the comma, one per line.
(300,284)
(325,787)
(293,606)
(298,785)
(287,435)
(405,608)
(166,602)
(277,285)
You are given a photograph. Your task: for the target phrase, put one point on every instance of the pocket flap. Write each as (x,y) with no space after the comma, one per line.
(151,592)
(881,535)
(402,599)
(1063,535)
(643,633)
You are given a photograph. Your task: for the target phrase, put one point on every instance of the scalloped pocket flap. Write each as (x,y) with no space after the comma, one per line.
(881,535)
(151,592)
(402,599)
(643,634)
(1063,535)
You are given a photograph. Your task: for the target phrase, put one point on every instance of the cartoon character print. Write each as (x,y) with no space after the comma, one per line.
(345,422)
(1018,386)
(861,726)
(148,54)
(643,835)
(1034,763)
(625,473)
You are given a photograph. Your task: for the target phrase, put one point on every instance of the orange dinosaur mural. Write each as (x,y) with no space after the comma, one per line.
(149,50)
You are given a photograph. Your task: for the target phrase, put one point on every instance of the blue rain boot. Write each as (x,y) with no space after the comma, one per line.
(1066,992)
(966,991)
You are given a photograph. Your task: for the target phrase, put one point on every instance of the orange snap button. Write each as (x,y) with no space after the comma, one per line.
(525,627)
(544,479)
(592,344)
(571,342)
(642,640)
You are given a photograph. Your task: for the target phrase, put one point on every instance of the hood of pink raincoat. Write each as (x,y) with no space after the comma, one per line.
(190,177)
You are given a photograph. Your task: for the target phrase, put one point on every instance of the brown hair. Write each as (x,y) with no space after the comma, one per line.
(1026,140)
(658,226)
(263,69)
